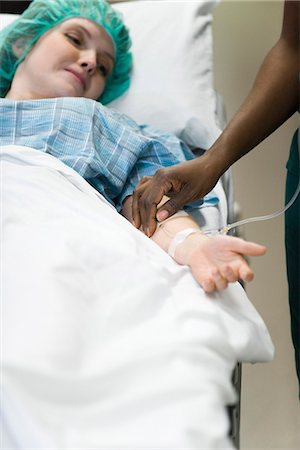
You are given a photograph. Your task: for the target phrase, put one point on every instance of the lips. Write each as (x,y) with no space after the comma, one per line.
(78,76)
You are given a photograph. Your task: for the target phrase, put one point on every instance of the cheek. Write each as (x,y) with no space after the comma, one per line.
(53,54)
(38,62)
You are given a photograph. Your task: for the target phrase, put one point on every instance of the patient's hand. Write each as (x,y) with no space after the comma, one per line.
(217,260)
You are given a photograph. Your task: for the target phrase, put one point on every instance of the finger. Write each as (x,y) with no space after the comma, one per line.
(248,248)
(135,209)
(175,203)
(220,282)
(147,205)
(165,211)
(152,222)
(146,215)
(142,181)
(142,197)
(246,273)
(253,249)
(229,274)
(208,285)
(137,215)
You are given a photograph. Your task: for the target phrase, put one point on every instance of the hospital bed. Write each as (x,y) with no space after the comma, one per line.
(171,89)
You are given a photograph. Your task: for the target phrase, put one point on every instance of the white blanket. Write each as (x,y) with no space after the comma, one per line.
(106,341)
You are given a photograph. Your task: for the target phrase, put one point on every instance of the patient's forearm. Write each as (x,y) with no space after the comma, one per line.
(166,231)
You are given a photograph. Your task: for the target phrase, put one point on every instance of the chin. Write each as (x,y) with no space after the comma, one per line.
(67,93)
(66,90)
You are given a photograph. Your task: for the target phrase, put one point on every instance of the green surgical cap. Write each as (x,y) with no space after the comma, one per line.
(42,15)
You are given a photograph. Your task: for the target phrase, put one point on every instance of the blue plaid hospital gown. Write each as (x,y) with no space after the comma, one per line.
(106,148)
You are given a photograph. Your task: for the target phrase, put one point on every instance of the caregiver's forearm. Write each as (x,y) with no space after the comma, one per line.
(272,100)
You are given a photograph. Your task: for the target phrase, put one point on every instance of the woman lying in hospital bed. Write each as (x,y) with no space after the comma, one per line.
(75,59)
(87,296)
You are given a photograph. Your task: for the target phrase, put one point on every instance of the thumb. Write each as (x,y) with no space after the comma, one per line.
(171,206)
(248,248)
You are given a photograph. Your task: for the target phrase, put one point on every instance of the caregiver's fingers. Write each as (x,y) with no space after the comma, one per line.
(142,202)
(147,195)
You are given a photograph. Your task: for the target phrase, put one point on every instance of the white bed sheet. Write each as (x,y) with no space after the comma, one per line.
(106,341)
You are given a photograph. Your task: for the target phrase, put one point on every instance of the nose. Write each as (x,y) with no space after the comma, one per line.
(88,62)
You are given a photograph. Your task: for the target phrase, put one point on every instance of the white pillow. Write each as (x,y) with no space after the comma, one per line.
(172,80)
(6,19)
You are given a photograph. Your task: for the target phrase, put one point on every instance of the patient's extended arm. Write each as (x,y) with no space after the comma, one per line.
(214,261)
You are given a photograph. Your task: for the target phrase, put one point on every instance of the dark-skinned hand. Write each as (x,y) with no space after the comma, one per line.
(182,183)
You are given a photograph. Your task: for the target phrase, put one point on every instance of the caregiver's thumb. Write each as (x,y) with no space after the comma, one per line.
(176,202)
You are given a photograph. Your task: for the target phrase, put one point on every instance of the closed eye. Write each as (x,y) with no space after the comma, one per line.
(74,39)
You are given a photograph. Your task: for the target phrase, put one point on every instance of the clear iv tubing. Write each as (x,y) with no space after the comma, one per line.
(226,228)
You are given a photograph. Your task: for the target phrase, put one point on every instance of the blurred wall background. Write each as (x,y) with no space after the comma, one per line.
(243,33)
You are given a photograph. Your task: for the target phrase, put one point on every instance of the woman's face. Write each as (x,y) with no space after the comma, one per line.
(73,59)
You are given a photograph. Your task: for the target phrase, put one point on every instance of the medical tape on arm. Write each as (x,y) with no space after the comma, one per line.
(179,238)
